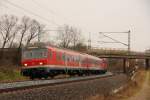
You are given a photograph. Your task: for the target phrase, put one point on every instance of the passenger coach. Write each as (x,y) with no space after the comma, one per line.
(42,62)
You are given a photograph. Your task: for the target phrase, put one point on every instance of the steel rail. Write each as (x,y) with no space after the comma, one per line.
(15,86)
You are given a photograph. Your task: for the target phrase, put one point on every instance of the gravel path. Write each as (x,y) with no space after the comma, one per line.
(144,93)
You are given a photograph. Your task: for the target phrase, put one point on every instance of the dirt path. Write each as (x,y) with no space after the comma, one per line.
(144,93)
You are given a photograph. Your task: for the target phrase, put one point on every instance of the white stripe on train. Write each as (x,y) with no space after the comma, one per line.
(63,67)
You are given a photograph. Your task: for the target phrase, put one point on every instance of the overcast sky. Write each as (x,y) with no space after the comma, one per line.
(91,16)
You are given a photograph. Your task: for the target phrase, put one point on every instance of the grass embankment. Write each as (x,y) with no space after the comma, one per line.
(132,87)
(10,74)
(149,78)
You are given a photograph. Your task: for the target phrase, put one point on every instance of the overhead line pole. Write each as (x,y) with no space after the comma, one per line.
(129,42)
(89,41)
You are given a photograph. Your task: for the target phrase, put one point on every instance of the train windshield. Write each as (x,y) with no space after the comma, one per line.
(34,53)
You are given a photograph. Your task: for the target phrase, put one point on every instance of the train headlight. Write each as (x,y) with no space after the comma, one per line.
(41,63)
(25,64)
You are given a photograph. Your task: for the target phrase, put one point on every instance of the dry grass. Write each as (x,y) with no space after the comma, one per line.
(131,89)
(9,74)
(97,97)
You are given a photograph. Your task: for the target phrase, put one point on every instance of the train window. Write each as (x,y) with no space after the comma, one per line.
(75,59)
(68,58)
(58,56)
(34,53)
(72,58)
(78,59)
(27,54)
(63,57)
(50,54)
(82,61)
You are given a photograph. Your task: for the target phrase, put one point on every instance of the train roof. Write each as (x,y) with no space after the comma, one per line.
(66,50)
(72,52)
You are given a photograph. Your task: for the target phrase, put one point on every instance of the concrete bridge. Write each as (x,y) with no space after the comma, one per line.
(126,58)
(121,56)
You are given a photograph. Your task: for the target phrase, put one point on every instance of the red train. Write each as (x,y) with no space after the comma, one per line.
(50,61)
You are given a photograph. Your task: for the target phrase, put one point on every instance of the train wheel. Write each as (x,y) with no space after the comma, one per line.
(52,76)
(46,76)
(80,73)
(32,77)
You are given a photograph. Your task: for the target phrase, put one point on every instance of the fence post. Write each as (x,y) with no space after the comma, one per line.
(124,65)
(147,64)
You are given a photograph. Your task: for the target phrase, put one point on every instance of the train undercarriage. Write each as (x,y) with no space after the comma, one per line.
(41,72)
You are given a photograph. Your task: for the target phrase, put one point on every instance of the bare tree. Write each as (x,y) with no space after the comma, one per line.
(64,36)
(69,36)
(35,29)
(25,25)
(76,36)
(16,31)
(26,30)
(29,30)
(8,29)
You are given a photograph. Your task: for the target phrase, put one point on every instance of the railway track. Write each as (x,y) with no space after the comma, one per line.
(15,86)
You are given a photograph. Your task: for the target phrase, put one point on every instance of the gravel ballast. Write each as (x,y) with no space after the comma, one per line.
(70,91)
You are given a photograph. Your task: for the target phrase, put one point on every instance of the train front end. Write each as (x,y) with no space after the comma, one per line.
(34,61)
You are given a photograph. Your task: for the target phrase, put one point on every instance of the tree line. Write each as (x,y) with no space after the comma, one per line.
(18,32)
(21,32)
(70,37)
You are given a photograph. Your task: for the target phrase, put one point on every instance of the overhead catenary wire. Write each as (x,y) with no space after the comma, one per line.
(107,42)
(116,40)
(129,37)
(49,10)
(8,8)
(30,12)
(52,12)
